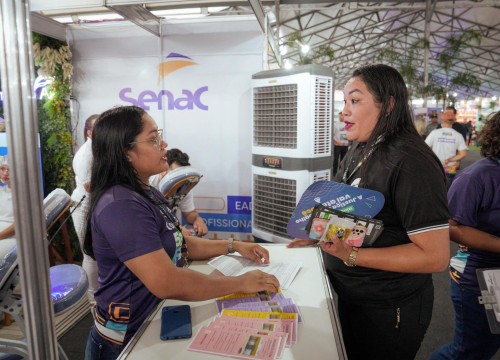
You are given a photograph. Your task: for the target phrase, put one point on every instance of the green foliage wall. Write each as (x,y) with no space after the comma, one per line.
(52,60)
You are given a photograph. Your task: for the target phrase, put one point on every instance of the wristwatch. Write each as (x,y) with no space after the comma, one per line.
(351,259)
(230,248)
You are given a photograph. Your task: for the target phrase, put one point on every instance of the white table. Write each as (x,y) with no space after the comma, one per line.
(319,337)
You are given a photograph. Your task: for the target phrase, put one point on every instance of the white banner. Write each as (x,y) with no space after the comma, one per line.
(197,89)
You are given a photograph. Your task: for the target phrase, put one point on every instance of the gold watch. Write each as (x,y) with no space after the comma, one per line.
(351,259)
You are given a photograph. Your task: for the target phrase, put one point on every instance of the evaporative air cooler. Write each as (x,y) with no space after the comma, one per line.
(292,143)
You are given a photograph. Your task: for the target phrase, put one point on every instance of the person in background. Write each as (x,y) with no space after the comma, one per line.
(81,167)
(176,159)
(3,167)
(433,124)
(136,240)
(340,142)
(474,203)
(478,126)
(7,230)
(452,117)
(420,127)
(385,292)
(469,127)
(448,145)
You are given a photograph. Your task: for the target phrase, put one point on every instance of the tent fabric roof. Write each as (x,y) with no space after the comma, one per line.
(356,31)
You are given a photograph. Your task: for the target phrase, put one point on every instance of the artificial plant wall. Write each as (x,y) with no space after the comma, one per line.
(52,60)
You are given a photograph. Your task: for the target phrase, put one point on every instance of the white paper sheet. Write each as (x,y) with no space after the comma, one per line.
(234,265)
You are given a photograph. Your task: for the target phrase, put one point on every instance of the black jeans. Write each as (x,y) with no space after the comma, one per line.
(386,333)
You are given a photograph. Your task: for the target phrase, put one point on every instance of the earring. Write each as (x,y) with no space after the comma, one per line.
(129,158)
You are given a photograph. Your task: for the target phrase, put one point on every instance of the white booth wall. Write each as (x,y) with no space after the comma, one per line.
(214,131)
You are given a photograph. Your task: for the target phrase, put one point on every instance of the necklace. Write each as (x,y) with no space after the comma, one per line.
(347,176)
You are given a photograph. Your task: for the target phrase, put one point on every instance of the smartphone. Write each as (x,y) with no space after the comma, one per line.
(175,322)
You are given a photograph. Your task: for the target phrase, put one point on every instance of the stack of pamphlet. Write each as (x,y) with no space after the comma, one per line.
(250,326)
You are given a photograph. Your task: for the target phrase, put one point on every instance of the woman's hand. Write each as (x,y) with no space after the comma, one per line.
(252,251)
(186,232)
(256,280)
(301,243)
(200,227)
(336,248)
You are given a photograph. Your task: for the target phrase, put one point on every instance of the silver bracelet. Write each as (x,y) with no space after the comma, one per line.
(230,248)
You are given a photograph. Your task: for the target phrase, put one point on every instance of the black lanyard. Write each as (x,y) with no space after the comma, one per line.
(346,176)
(169,217)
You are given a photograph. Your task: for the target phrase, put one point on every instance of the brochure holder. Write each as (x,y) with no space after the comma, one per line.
(489,284)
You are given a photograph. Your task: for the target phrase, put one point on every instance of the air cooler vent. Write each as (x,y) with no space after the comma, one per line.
(275,116)
(274,200)
(322,115)
(321,176)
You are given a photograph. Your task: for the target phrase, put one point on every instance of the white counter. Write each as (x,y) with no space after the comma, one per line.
(319,337)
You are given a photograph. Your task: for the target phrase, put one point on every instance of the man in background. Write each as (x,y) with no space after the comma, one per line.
(340,142)
(448,145)
(452,117)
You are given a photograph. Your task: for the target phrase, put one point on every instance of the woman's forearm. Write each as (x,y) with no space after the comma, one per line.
(200,249)
(474,238)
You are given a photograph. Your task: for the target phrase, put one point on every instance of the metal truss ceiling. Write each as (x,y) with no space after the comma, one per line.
(356,31)
(359,31)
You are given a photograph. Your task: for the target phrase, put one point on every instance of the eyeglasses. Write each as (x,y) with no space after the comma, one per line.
(156,140)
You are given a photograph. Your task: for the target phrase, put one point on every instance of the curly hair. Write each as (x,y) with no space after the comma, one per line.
(489,138)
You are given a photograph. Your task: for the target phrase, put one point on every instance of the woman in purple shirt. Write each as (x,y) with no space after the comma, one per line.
(474,204)
(136,239)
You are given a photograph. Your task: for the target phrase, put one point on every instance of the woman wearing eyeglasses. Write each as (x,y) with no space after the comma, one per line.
(136,240)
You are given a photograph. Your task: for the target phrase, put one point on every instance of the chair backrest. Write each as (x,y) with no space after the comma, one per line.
(177,183)
(8,260)
(54,205)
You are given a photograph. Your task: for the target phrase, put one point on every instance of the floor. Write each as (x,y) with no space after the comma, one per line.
(440,330)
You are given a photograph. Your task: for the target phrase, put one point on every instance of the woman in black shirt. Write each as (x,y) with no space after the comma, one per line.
(385,292)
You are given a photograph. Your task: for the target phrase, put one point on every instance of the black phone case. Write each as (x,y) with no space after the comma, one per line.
(176,322)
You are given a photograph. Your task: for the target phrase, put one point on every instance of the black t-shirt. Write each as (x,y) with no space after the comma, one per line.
(414,187)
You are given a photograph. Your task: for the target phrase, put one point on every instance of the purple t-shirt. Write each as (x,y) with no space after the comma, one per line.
(474,200)
(126,225)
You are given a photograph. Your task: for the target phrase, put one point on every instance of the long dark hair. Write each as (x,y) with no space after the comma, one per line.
(115,129)
(395,123)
